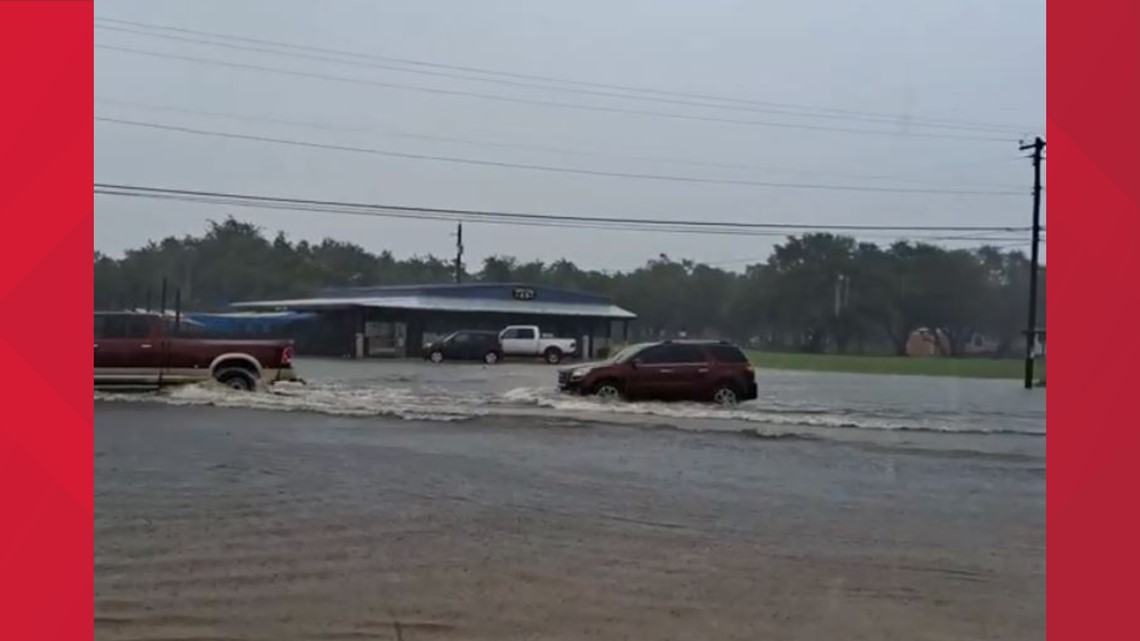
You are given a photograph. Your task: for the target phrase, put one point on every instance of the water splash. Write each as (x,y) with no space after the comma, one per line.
(445,403)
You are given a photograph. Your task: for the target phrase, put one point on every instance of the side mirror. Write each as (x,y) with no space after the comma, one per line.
(635,363)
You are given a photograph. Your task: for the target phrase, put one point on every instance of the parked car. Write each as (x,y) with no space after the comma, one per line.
(466,345)
(667,371)
(143,350)
(527,340)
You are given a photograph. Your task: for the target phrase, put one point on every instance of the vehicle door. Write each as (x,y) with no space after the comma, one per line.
(520,341)
(485,343)
(104,357)
(460,346)
(728,362)
(665,372)
(694,373)
(126,349)
(184,358)
(688,372)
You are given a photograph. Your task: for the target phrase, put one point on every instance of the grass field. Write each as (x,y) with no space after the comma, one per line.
(962,367)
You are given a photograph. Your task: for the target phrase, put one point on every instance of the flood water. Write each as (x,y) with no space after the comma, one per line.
(973,414)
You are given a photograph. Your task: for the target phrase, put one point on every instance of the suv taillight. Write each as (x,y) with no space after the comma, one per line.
(287,356)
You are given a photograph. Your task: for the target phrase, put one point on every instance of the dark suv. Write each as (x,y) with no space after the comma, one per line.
(466,345)
(667,371)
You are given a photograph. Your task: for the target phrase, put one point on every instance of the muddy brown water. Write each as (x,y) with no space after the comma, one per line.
(239,523)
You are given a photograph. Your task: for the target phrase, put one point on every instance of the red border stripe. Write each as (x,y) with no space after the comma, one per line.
(45,295)
(1094,432)
(45,437)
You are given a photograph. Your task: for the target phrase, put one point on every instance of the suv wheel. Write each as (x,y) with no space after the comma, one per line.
(726,396)
(436,356)
(491,358)
(607,391)
(553,355)
(238,379)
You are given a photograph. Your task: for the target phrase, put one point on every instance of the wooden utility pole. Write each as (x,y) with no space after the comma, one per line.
(1038,146)
(459,253)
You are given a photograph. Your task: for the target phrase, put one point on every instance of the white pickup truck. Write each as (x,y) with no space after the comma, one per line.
(527,340)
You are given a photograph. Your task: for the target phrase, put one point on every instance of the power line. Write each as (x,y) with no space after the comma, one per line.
(535,101)
(379,213)
(608,227)
(550,168)
(435,213)
(441,218)
(530,85)
(431,137)
(504,145)
(823,111)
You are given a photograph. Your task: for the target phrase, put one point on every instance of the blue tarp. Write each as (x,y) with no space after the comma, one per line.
(248,323)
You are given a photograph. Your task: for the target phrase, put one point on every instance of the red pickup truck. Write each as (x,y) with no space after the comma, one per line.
(143,350)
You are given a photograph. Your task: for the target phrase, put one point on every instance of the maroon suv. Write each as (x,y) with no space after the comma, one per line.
(667,371)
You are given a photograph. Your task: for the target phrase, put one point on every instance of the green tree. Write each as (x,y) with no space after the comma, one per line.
(816,292)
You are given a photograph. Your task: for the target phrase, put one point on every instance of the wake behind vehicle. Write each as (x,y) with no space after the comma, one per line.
(466,345)
(714,371)
(135,349)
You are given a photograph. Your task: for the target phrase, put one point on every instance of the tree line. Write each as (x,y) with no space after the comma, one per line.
(816,292)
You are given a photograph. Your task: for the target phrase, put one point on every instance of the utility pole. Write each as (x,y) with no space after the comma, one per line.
(838,284)
(842,292)
(1038,146)
(459,253)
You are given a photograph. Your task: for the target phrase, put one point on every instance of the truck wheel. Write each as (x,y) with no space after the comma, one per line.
(491,358)
(436,356)
(237,378)
(553,355)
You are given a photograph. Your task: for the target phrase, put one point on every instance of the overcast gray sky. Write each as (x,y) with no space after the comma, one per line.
(981,61)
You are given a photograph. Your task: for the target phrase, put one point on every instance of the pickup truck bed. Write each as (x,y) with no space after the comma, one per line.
(527,340)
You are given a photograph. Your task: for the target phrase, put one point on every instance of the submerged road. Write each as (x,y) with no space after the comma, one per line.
(216,523)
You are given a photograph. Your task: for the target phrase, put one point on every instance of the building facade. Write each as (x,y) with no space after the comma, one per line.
(398,321)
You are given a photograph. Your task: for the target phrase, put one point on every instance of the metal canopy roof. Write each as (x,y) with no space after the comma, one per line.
(449,304)
(468,291)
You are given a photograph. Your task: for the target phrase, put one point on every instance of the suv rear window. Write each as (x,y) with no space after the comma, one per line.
(727,353)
